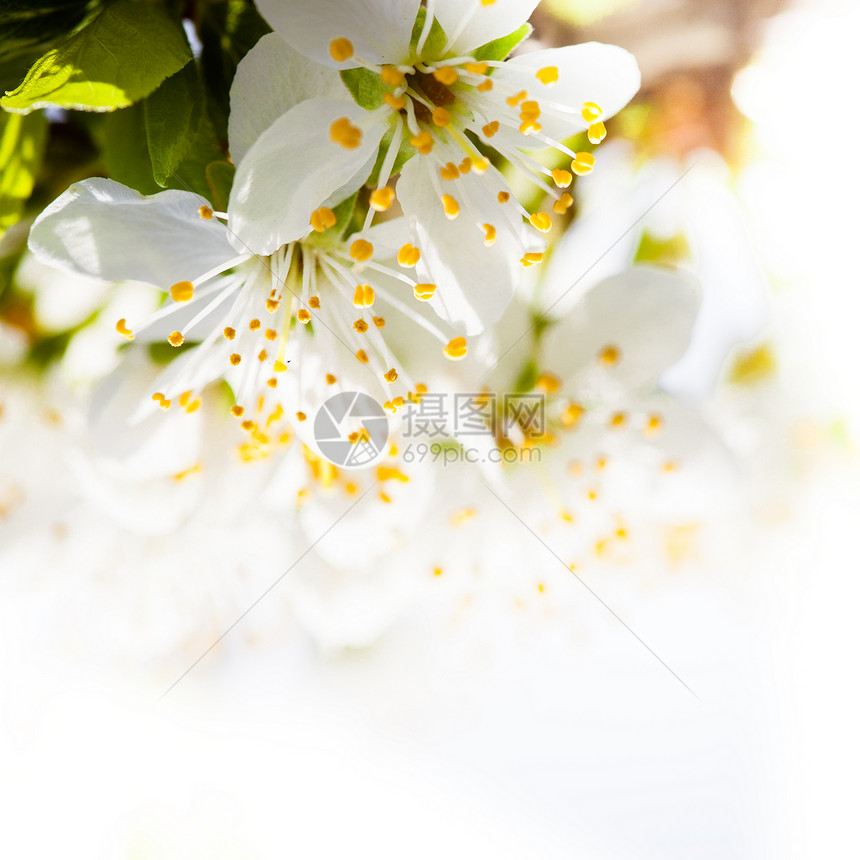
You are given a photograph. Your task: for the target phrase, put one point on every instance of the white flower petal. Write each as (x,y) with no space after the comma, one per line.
(271,79)
(294,167)
(605,75)
(485,23)
(474,283)
(646,314)
(103,229)
(379,30)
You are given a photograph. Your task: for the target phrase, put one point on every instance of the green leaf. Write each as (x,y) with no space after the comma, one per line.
(228,29)
(22,144)
(124,150)
(219,175)
(498,49)
(436,40)
(194,172)
(366,87)
(118,58)
(172,115)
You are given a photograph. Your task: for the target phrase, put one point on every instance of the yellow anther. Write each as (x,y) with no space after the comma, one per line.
(341,50)
(262,355)
(548,75)
(301,416)
(390,375)
(279,366)
(193,406)
(314,302)
(229,333)
(235,358)
(548,382)
(322,219)
(237,411)
(123,329)
(303,316)
(476,68)
(653,425)
(466,165)
(610,355)
(164,404)
(158,397)
(441,116)
(530,126)
(381,198)
(272,305)
(379,322)
(591,112)
(562,178)
(513,101)
(571,415)
(484,86)
(529,110)
(361,250)
(424,292)
(249,425)
(364,296)
(449,172)
(617,420)
(423,142)
(360,326)
(446,75)
(330,379)
(531,258)
(391,473)
(596,132)
(272,383)
(384,497)
(184,398)
(480,165)
(491,128)
(342,131)
(175,338)
(451,207)
(541,221)
(389,406)
(391,76)
(396,102)
(583,164)
(489,234)
(456,349)
(408,256)
(399,401)
(182,292)
(563,203)
(271,334)
(361,355)
(254,325)
(205,212)
(504,196)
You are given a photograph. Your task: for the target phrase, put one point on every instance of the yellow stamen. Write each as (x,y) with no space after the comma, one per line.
(396,102)
(451,207)
(379,322)
(489,235)
(562,178)
(583,164)
(182,292)
(610,355)
(408,256)
(504,196)
(364,296)
(541,221)
(303,316)
(205,212)
(360,326)
(423,142)
(424,292)
(596,132)
(456,349)
(476,68)
(513,101)
(175,338)
(301,416)
(361,355)
(235,358)
(322,219)
(381,199)
(441,117)
(484,86)
(547,75)
(314,302)
(449,172)
(342,131)
(563,203)
(446,75)
(279,366)
(391,375)
(361,250)
(391,76)
(254,325)
(591,112)
(124,330)
(491,128)
(229,333)
(341,50)
(330,378)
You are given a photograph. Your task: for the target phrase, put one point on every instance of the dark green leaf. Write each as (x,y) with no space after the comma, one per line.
(498,49)
(172,116)
(118,58)
(219,175)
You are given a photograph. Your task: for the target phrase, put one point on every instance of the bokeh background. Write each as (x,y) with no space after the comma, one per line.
(472,729)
